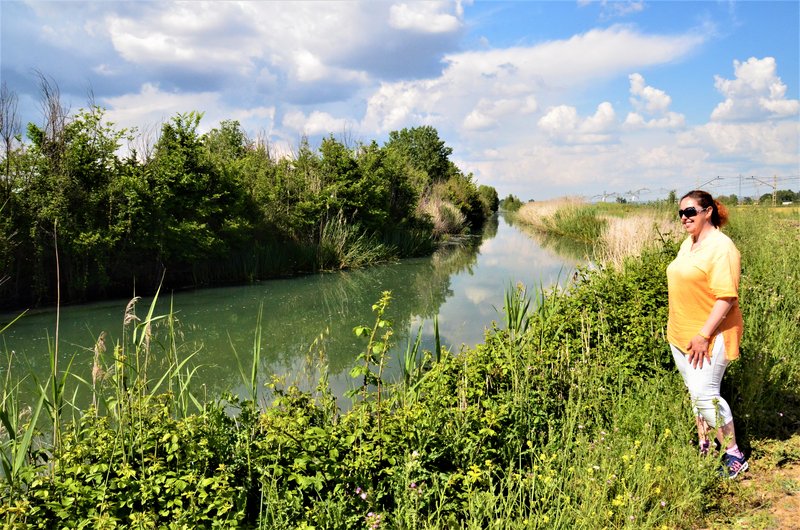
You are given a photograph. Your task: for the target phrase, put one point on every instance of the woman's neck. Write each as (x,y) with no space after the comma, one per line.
(703,234)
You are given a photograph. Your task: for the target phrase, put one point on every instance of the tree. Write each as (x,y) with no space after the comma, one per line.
(9,132)
(672,198)
(424,151)
(489,199)
(511,203)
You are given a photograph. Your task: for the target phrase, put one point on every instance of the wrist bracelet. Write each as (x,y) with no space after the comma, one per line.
(707,337)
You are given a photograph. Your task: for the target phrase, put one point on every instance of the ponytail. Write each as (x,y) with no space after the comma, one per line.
(719,213)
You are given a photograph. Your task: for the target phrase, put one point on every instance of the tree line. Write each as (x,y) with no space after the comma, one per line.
(188,209)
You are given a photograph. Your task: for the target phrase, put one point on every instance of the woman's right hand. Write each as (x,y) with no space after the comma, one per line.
(698,351)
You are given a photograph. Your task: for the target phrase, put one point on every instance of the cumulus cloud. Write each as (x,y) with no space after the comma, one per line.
(305,42)
(563,123)
(425,17)
(756,93)
(316,123)
(767,142)
(526,75)
(652,102)
(152,106)
(488,113)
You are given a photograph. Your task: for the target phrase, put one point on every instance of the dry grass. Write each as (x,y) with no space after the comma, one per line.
(620,238)
(446,218)
(631,235)
(538,214)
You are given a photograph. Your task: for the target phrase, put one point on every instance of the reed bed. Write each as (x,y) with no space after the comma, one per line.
(630,236)
(567,217)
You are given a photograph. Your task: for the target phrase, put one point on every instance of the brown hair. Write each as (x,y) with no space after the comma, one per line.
(719,213)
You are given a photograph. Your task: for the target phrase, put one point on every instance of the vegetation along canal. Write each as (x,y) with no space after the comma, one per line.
(463,283)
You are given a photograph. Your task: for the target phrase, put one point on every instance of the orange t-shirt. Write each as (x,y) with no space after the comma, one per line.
(695,280)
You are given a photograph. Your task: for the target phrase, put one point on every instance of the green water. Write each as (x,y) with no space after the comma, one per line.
(463,283)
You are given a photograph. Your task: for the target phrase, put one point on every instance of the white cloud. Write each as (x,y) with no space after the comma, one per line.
(756,93)
(152,106)
(671,120)
(309,42)
(425,17)
(489,112)
(563,123)
(315,123)
(652,102)
(768,142)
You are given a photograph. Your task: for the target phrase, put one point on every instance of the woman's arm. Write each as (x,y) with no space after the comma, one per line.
(698,346)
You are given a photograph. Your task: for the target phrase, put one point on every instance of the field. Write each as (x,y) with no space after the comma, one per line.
(570,415)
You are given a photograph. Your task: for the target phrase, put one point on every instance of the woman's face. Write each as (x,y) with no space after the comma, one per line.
(694,225)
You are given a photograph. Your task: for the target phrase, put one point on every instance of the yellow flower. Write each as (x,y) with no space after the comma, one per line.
(667,432)
(618,501)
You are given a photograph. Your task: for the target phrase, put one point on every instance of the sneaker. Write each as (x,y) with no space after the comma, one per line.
(733,465)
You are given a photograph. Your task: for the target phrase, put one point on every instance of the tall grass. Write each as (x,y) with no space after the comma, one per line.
(631,235)
(568,217)
(570,416)
(343,245)
(446,218)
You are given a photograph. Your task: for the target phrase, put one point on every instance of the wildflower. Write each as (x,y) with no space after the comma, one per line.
(545,519)
(667,432)
(361,493)
(663,503)
(413,485)
(618,501)
(415,454)
(657,490)
(632,517)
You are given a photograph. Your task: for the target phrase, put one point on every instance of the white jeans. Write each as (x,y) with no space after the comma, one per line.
(703,384)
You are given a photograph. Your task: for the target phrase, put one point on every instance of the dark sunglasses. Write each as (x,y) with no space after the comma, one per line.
(691,211)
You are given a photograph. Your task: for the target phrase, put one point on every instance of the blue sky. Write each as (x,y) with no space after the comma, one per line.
(539,99)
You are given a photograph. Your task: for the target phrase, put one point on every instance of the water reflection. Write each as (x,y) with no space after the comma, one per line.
(563,246)
(463,283)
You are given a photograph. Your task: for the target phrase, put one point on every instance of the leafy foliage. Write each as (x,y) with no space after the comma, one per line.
(197,209)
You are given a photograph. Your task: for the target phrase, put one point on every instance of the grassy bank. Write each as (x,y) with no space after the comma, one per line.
(570,415)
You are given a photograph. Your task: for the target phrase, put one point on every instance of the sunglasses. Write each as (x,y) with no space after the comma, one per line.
(691,211)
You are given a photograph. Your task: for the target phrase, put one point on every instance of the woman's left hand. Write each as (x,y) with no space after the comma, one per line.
(698,351)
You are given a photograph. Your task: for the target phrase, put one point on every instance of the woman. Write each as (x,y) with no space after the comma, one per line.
(705,324)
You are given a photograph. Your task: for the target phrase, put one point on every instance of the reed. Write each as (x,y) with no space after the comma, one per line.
(344,246)
(631,235)
(567,217)
(446,218)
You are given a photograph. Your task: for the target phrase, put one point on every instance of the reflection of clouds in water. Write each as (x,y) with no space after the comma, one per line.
(466,289)
(477,295)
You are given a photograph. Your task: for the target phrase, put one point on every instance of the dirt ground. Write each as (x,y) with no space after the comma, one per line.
(767,496)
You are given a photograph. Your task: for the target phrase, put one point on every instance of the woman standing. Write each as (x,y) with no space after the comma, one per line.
(705,324)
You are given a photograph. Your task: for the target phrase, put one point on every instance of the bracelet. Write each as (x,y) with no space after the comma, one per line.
(707,337)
